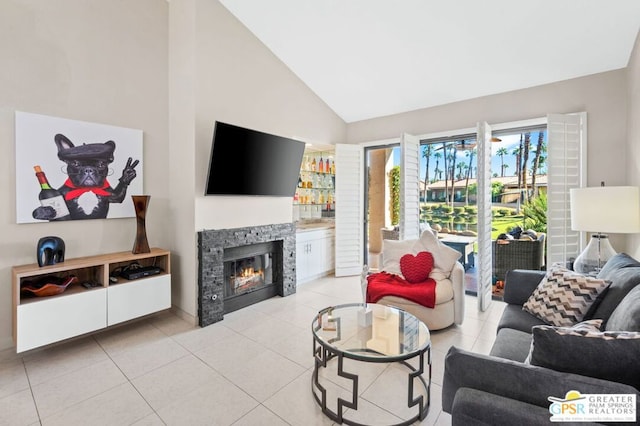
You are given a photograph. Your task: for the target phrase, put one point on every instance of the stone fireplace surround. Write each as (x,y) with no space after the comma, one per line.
(211,245)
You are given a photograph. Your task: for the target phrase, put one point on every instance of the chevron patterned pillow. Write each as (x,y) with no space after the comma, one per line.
(563,297)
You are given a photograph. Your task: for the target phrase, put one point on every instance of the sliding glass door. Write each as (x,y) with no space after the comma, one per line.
(512,181)
(479,186)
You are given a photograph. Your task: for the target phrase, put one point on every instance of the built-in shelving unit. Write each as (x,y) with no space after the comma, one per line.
(315,194)
(90,304)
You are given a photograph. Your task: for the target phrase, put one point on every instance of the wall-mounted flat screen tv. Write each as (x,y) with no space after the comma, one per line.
(249,162)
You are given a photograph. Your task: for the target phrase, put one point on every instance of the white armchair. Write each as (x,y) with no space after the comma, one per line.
(448,274)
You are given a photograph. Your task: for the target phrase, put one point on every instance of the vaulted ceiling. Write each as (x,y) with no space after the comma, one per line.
(371,58)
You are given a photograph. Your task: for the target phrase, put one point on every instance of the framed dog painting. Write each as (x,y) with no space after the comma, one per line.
(75,170)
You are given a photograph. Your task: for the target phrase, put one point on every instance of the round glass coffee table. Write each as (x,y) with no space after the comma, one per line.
(375,334)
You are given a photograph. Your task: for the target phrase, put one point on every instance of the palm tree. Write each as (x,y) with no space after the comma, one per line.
(446,171)
(426,153)
(516,152)
(437,172)
(452,154)
(536,162)
(462,167)
(502,152)
(526,145)
(469,171)
(542,162)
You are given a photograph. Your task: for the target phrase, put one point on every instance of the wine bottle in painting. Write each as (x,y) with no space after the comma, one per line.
(51,197)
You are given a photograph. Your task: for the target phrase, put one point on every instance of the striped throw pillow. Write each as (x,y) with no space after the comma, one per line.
(563,297)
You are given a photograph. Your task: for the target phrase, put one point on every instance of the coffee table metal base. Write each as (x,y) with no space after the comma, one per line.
(324,354)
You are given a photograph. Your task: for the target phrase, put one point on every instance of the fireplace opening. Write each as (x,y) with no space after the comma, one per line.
(251,274)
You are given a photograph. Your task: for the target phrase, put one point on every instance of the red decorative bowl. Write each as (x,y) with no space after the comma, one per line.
(48,285)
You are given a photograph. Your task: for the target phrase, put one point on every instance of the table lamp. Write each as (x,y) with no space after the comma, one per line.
(611,209)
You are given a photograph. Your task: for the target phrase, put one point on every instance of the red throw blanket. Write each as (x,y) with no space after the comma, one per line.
(385,284)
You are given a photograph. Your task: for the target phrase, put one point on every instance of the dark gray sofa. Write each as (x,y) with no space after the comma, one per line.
(501,388)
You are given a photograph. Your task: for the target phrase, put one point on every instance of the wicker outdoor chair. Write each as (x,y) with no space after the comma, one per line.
(517,254)
(390,234)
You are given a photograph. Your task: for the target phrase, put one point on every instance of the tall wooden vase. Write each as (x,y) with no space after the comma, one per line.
(140,203)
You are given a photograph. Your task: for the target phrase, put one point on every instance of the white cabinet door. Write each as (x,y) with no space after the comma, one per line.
(309,261)
(314,254)
(316,257)
(329,254)
(57,318)
(302,270)
(137,298)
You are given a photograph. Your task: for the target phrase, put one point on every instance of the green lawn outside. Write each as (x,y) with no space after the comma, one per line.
(500,223)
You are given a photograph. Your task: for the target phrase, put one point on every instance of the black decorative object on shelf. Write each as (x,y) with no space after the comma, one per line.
(50,251)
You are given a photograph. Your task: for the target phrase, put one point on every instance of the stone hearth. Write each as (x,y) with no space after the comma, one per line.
(211,246)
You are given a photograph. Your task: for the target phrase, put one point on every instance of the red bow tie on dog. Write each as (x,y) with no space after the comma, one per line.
(78,191)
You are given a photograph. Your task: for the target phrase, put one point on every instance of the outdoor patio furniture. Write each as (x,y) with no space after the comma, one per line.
(464,244)
(517,254)
(390,233)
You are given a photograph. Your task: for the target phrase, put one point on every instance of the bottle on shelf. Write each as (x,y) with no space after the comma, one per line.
(49,196)
(300,185)
(313,164)
(321,165)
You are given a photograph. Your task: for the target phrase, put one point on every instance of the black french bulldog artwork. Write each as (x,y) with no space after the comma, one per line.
(86,192)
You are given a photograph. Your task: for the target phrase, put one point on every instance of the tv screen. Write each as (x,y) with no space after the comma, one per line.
(249,162)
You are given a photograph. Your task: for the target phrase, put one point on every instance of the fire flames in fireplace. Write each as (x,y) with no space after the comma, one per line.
(247,278)
(251,273)
(248,273)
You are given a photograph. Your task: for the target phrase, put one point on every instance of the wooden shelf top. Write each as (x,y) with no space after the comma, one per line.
(87,261)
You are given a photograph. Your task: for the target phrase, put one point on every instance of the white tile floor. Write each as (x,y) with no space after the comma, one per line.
(252,368)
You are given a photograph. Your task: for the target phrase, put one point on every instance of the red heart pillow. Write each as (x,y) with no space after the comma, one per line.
(416,269)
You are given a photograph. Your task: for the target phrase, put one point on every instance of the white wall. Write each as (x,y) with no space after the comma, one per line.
(241,82)
(633,133)
(90,60)
(602,96)
(232,78)
(182,79)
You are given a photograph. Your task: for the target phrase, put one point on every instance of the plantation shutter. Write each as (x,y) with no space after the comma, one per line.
(409,187)
(349,196)
(566,165)
(484,263)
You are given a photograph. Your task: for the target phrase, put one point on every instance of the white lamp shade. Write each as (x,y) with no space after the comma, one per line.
(607,209)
